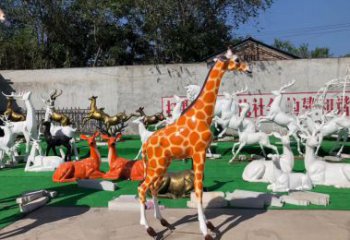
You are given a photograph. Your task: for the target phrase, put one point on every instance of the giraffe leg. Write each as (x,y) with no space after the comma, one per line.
(198,167)
(142,189)
(157,214)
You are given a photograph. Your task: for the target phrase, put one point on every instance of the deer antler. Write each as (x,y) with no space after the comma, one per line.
(242,90)
(58,94)
(13,95)
(291,83)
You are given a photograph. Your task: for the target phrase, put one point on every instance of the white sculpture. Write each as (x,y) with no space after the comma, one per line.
(284,182)
(29,127)
(248,134)
(36,162)
(319,171)
(175,114)
(230,114)
(143,132)
(331,124)
(7,143)
(278,116)
(286,160)
(192,92)
(262,170)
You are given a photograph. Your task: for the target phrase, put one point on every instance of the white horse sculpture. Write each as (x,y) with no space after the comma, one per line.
(281,118)
(248,134)
(230,114)
(175,114)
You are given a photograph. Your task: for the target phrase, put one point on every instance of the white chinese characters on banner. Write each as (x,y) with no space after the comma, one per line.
(296,102)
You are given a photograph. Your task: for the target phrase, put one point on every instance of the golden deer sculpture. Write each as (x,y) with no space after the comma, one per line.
(151,119)
(119,118)
(95,113)
(99,115)
(51,113)
(10,112)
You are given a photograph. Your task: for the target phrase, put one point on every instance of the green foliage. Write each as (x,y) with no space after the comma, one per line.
(303,50)
(75,33)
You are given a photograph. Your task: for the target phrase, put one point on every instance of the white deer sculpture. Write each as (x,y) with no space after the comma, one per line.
(284,181)
(7,142)
(175,114)
(29,127)
(248,135)
(56,130)
(192,92)
(143,132)
(278,116)
(36,162)
(263,170)
(322,172)
(230,114)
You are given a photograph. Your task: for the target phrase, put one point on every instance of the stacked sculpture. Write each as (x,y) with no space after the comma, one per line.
(58,135)
(10,112)
(28,128)
(51,113)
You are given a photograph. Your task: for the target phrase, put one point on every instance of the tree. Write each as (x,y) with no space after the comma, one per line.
(303,50)
(75,33)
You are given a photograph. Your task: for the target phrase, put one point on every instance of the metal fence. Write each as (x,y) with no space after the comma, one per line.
(76,116)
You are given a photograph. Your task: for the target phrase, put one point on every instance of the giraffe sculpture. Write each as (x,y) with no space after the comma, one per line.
(188,137)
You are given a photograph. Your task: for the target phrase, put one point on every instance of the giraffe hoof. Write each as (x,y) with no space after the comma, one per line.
(211,226)
(166,224)
(151,232)
(208,237)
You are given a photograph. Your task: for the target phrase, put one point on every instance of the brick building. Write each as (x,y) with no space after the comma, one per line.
(251,49)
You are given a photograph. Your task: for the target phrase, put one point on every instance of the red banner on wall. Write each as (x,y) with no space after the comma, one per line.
(296,102)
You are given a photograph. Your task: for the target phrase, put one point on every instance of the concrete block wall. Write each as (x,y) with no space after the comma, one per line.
(129,87)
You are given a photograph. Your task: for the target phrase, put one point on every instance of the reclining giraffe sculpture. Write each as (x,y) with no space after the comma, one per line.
(188,137)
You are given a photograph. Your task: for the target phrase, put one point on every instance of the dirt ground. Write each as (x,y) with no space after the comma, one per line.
(99,223)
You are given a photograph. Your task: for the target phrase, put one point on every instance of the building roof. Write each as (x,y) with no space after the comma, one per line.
(248,42)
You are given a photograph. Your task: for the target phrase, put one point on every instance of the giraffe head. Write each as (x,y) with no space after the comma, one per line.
(235,63)
(111,140)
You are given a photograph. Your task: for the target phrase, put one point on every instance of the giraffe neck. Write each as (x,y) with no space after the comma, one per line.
(205,102)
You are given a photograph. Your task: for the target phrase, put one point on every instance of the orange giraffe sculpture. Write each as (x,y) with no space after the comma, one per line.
(88,168)
(121,167)
(188,137)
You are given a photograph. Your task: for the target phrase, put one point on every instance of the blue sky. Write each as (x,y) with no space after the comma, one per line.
(320,23)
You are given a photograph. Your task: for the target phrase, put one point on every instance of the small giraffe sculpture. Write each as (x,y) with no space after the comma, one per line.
(188,137)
